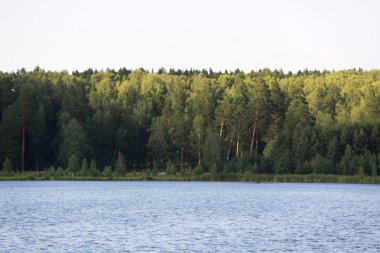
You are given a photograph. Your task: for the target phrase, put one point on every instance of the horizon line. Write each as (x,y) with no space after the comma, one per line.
(168,70)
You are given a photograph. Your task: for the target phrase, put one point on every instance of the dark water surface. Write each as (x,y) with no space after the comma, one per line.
(188,216)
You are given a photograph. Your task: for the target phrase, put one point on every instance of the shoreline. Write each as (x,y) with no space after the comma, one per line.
(258,178)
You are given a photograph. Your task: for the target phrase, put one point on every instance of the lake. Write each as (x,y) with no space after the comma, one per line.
(57,216)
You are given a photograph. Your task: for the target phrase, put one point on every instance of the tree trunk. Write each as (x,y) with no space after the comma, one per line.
(114,154)
(253,138)
(199,149)
(276,122)
(38,155)
(229,151)
(23,143)
(221,129)
(237,146)
(181,156)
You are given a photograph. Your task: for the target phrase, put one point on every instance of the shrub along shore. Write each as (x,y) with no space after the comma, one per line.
(233,177)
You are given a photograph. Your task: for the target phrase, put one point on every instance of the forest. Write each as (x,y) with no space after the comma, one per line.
(190,121)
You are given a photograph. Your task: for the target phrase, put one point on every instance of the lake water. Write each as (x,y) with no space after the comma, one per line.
(188,216)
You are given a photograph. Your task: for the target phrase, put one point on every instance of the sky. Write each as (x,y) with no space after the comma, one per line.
(223,35)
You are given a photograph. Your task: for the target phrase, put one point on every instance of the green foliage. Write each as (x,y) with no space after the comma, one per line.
(84,168)
(214,169)
(120,166)
(73,164)
(74,141)
(7,167)
(283,164)
(171,168)
(159,140)
(374,170)
(182,171)
(360,141)
(229,167)
(321,165)
(154,172)
(107,171)
(93,170)
(212,148)
(59,173)
(199,170)
(250,123)
(347,164)
(51,172)
(306,167)
(333,149)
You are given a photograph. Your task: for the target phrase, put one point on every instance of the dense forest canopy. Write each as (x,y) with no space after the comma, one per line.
(220,122)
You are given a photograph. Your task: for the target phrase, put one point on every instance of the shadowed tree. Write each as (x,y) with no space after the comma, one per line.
(74,139)
(7,167)
(120,166)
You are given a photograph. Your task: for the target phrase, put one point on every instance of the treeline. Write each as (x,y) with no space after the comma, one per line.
(190,121)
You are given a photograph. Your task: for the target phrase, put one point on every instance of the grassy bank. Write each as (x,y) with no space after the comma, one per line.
(287,178)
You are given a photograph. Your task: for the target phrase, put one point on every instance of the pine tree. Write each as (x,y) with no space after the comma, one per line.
(278,108)
(120,166)
(73,139)
(84,168)
(73,164)
(212,148)
(7,167)
(374,169)
(360,141)
(93,171)
(333,149)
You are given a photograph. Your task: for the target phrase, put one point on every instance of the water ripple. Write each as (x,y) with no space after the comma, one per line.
(188,217)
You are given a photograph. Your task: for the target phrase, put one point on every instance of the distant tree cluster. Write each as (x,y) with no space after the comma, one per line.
(113,122)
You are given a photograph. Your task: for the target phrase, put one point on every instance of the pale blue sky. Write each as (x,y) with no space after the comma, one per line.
(291,34)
